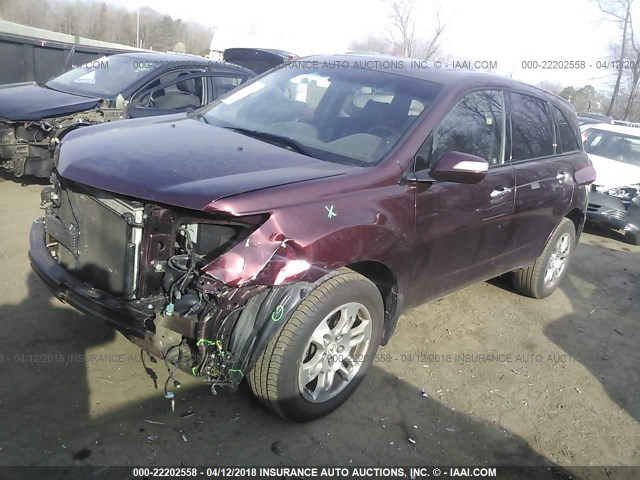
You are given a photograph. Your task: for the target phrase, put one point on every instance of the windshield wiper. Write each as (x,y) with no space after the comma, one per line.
(281,140)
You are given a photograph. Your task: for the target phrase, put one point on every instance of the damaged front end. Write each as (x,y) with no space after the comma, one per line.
(203,292)
(28,147)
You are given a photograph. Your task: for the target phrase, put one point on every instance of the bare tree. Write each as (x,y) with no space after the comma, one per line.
(403,31)
(620,11)
(633,73)
(373,43)
(431,48)
(402,35)
(98,20)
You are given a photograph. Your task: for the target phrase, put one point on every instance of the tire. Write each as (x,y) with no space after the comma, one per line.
(632,237)
(531,281)
(277,378)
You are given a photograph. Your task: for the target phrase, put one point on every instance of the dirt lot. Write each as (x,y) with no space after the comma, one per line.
(565,389)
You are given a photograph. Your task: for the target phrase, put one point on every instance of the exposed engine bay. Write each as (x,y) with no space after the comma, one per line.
(151,260)
(27,147)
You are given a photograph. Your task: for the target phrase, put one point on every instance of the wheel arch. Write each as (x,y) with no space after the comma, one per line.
(384,279)
(578,217)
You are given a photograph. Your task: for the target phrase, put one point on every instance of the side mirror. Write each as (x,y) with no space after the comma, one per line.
(460,168)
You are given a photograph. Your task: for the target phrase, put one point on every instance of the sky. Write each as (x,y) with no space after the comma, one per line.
(506,32)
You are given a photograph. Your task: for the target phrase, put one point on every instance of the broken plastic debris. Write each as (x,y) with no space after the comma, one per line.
(154,422)
(171,396)
(184,437)
(448,429)
(424,393)
(151,438)
(188,413)
(412,440)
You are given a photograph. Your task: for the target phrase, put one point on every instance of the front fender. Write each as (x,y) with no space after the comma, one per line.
(271,256)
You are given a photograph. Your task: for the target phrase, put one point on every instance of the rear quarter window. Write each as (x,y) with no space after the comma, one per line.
(565,138)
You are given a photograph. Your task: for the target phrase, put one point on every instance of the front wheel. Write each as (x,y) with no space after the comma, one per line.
(318,358)
(632,235)
(541,278)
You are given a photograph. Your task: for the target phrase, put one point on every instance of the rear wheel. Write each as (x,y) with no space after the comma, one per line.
(320,355)
(541,278)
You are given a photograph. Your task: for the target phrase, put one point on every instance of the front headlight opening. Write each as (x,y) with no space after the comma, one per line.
(207,239)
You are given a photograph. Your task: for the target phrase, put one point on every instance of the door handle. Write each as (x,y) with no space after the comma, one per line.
(562,175)
(500,192)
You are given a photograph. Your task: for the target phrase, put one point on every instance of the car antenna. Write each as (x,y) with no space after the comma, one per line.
(71,52)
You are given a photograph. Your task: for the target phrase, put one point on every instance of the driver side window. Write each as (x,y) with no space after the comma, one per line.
(177,90)
(475,126)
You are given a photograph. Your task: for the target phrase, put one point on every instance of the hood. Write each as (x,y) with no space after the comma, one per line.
(181,161)
(612,173)
(28,101)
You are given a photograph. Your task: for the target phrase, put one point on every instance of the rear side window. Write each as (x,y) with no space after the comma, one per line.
(566,140)
(531,127)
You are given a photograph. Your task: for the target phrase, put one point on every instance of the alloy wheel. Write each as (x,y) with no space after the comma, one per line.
(335,352)
(557,261)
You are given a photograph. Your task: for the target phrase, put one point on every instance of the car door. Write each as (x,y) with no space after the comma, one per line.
(544,173)
(462,229)
(177,91)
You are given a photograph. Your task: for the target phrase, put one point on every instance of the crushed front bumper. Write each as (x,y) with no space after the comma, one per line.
(235,329)
(133,317)
(608,211)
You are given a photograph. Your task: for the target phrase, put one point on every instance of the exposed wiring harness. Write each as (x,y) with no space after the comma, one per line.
(186,263)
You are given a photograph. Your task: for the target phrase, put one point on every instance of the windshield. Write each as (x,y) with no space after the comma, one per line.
(345,115)
(105,77)
(613,145)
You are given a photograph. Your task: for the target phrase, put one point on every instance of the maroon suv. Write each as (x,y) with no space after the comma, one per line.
(279,233)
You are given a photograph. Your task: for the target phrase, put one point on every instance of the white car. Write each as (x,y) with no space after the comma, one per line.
(614,200)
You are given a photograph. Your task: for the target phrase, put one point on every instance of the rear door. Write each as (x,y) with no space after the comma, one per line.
(462,230)
(544,156)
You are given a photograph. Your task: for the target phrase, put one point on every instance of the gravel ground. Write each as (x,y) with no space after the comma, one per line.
(509,380)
